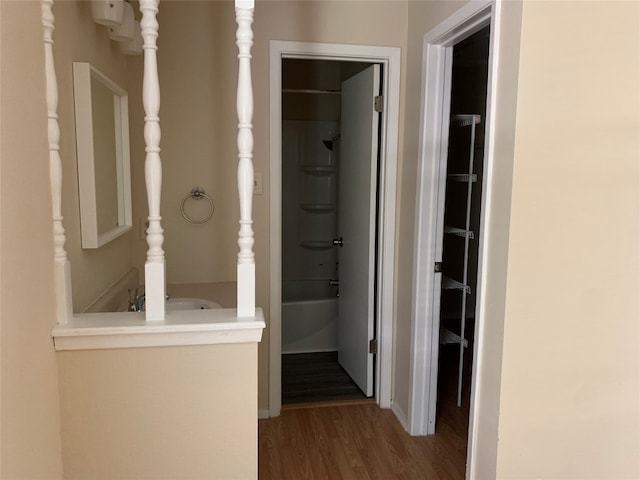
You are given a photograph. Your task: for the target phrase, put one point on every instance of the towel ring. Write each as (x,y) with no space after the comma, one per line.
(197,193)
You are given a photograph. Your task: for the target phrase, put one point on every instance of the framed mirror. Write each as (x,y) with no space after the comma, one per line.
(102,144)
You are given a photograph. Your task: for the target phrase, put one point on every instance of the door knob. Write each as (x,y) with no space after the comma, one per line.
(338,242)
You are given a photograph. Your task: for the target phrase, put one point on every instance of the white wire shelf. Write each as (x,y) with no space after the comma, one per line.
(451,284)
(463,177)
(460,232)
(447,336)
(464,120)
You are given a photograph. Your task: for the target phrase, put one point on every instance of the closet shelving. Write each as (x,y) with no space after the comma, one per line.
(469,178)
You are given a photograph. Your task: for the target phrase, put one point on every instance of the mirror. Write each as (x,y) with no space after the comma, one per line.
(102,144)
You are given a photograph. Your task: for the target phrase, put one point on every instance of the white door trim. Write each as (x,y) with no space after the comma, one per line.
(389,57)
(436,90)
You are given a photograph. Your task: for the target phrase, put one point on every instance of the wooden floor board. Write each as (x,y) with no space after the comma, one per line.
(354,440)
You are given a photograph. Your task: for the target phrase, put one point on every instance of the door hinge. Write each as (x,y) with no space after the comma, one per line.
(437,267)
(373,345)
(378,103)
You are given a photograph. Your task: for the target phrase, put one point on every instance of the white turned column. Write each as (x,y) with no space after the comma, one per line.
(246,262)
(62,269)
(154,269)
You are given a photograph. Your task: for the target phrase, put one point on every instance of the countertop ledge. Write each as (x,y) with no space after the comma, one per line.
(96,331)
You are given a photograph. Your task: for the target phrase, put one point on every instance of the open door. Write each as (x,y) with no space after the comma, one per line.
(357,224)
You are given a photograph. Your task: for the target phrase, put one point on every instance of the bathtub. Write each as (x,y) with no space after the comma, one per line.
(309,317)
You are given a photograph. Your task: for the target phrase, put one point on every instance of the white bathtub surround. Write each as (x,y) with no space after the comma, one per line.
(99,331)
(310,326)
(246,261)
(309,316)
(309,207)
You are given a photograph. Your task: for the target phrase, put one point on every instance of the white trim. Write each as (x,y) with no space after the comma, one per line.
(263,413)
(400,415)
(434,114)
(483,244)
(390,58)
(98,331)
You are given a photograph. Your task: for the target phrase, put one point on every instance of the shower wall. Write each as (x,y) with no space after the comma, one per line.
(309,190)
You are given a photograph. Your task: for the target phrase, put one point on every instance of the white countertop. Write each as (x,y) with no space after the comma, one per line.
(91,331)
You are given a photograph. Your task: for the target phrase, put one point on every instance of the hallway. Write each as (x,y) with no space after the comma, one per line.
(358,440)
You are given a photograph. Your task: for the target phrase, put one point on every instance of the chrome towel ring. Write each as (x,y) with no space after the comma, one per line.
(197,193)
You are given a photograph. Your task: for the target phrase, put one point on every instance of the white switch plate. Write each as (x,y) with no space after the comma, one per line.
(257,184)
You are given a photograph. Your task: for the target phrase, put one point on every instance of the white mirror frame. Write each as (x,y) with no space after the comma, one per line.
(83,73)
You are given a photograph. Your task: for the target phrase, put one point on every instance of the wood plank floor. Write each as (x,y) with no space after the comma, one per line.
(316,377)
(358,440)
(353,441)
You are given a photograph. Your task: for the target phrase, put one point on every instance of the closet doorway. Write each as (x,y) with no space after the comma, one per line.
(460,226)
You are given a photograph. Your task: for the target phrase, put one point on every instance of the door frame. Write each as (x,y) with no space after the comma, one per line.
(434,122)
(389,57)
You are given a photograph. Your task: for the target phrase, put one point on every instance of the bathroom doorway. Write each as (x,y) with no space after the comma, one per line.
(330,158)
(388,58)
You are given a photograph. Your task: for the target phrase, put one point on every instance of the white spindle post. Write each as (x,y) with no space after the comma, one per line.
(154,269)
(246,262)
(62,269)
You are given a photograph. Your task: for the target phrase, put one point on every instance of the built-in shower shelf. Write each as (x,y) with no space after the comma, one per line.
(451,284)
(319,169)
(460,232)
(317,244)
(312,91)
(463,177)
(318,207)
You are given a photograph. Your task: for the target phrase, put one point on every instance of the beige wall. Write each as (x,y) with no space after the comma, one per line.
(30,420)
(330,22)
(197,71)
(422,17)
(199,123)
(561,390)
(559,384)
(569,404)
(78,39)
(172,412)
(499,181)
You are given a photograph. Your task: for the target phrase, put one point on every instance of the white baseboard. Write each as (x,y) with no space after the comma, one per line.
(400,415)
(263,413)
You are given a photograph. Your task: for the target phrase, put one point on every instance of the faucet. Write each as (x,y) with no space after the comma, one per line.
(136,301)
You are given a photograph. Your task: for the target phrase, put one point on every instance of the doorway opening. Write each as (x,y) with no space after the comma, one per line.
(330,172)
(461,224)
(387,60)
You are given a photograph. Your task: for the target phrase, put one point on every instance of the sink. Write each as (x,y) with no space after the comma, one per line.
(190,304)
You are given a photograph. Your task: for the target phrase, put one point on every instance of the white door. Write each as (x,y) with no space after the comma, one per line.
(357,224)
